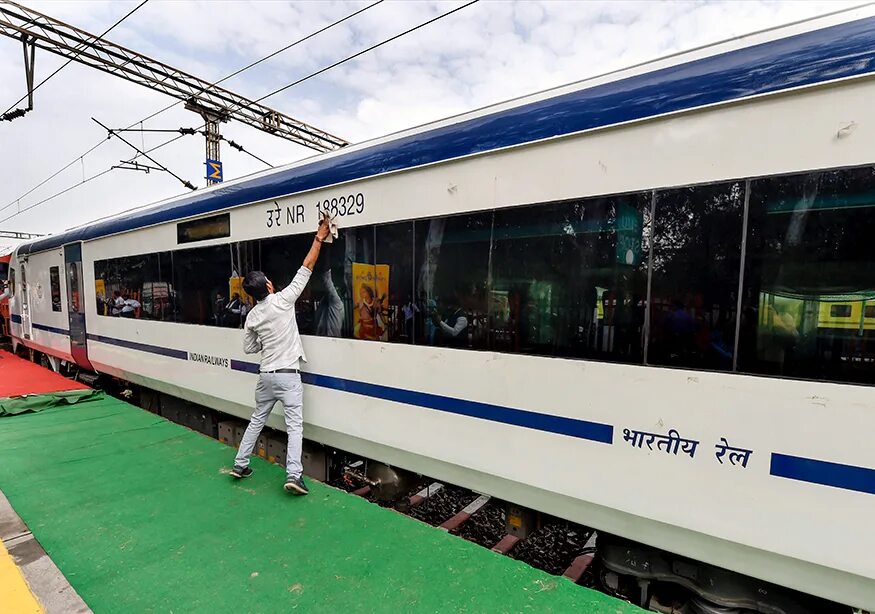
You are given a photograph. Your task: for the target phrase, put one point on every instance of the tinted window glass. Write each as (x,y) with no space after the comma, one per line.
(355,279)
(280,260)
(569,279)
(201,279)
(694,288)
(840,311)
(452,271)
(808,253)
(73,294)
(55,282)
(135,287)
(394,270)
(105,282)
(161,295)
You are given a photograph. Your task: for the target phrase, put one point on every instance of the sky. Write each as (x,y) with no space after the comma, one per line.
(486,53)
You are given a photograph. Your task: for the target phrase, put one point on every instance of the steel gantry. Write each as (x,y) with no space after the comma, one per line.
(215,104)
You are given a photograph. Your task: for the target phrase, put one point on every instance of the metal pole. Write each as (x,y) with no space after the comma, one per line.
(28,67)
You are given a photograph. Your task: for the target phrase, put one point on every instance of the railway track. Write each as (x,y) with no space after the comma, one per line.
(556,546)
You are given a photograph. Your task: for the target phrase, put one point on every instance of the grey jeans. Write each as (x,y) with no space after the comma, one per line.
(287,389)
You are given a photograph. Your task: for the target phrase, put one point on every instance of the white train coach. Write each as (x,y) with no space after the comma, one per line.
(644,302)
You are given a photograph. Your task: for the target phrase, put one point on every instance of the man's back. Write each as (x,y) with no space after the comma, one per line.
(271,327)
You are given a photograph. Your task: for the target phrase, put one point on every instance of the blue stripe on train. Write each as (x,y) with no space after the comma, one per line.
(143,347)
(844,50)
(16,318)
(583,429)
(837,475)
(51,329)
(594,431)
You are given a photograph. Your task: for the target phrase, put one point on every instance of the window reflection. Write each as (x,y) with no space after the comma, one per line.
(135,287)
(570,279)
(808,278)
(694,285)
(280,259)
(201,283)
(55,283)
(394,271)
(452,263)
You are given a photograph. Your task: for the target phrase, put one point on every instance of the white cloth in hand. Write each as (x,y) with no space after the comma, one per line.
(332,226)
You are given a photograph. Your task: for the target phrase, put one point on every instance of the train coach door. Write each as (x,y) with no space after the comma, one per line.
(26,330)
(75,305)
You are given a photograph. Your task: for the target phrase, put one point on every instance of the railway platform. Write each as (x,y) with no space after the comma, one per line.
(138,514)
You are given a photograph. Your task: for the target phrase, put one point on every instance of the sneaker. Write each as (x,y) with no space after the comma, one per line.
(240,472)
(296,486)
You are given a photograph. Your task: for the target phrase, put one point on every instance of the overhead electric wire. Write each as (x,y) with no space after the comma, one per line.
(86,180)
(65,64)
(170,106)
(273,93)
(352,57)
(184,182)
(363,51)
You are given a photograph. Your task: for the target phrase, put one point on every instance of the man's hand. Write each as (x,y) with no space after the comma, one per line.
(324,230)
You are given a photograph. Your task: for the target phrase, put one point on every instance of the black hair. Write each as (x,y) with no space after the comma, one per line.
(255,285)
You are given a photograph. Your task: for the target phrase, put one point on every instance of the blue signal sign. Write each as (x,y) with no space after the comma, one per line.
(214,170)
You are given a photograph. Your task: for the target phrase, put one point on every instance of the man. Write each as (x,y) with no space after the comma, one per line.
(233,312)
(271,329)
(129,306)
(117,303)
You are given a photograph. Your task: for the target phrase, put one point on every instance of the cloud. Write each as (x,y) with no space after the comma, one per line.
(489,52)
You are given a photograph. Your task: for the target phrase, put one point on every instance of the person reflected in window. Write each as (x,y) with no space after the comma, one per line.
(117,303)
(779,339)
(451,328)
(410,311)
(233,312)
(680,329)
(130,307)
(330,312)
(219,309)
(370,323)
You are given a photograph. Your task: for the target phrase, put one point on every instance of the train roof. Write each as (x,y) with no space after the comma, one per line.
(813,52)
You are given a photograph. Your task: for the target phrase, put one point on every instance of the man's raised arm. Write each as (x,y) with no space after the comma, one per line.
(291,292)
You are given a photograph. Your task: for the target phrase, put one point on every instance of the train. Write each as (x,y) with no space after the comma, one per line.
(638,302)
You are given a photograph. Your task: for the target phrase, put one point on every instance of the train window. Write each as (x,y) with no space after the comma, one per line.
(104,277)
(569,279)
(452,273)
(213,227)
(870,311)
(74,294)
(55,283)
(694,285)
(201,281)
(808,255)
(346,292)
(12,282)
(840,311)
(394,275)
(159,297)
(134,287)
